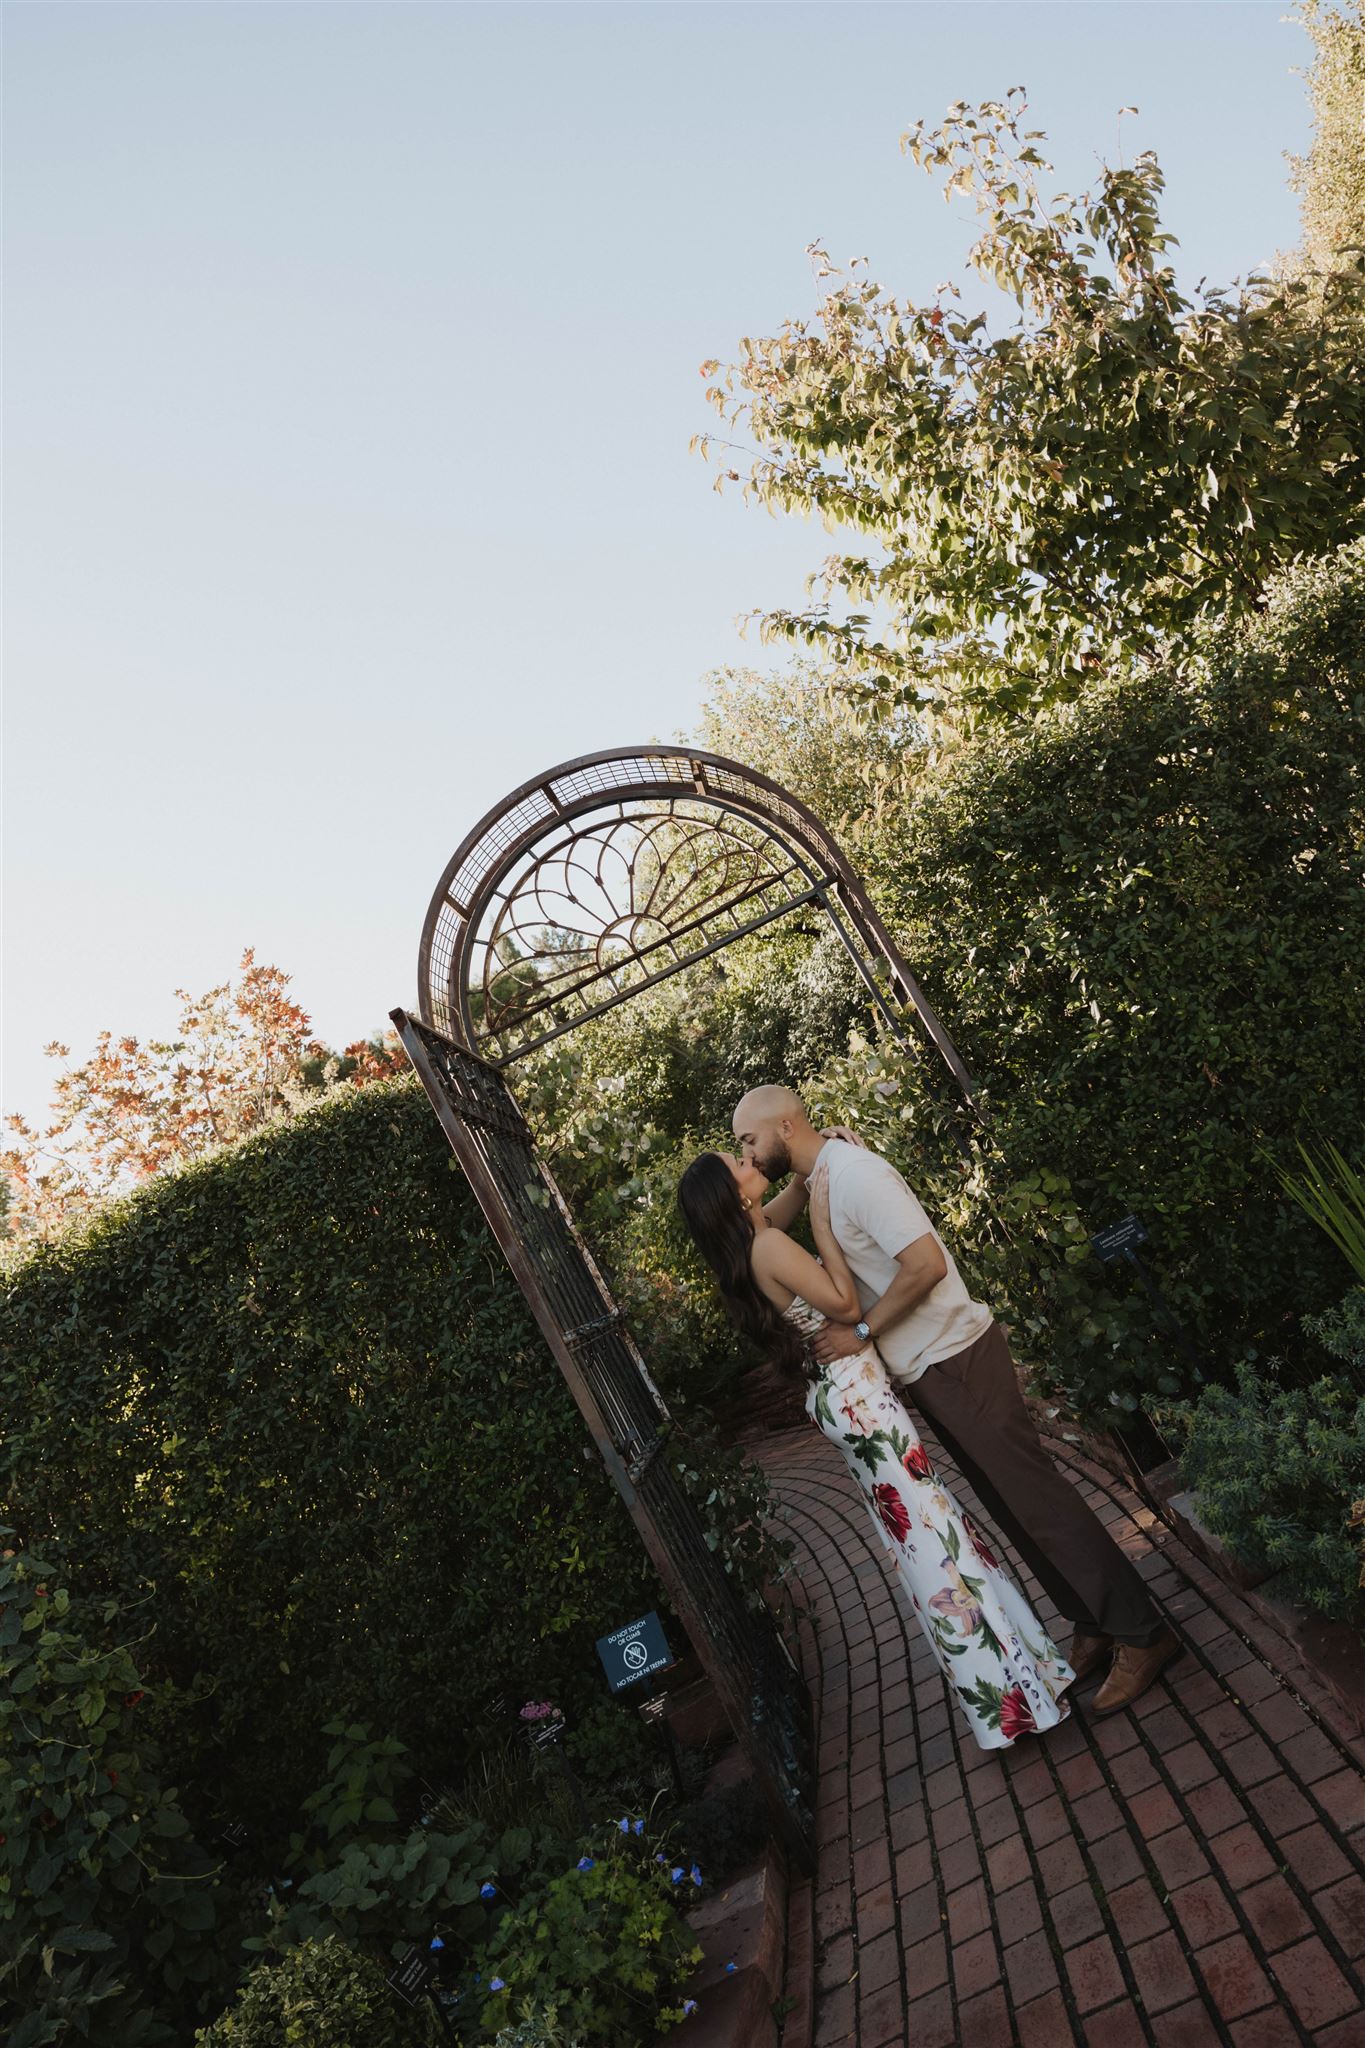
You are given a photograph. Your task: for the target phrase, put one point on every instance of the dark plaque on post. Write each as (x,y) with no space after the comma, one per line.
(411,1976)
(635,1651)
(1120,1240)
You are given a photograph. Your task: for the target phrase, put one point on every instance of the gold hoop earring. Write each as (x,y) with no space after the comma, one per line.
(747,1201)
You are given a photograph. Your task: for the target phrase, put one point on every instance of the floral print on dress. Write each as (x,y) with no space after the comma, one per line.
(1007,1675)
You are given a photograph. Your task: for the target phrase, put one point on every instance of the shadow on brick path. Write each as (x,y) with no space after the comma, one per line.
(1188,1873)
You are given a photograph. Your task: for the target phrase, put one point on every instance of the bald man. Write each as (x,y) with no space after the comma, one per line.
(949,1354)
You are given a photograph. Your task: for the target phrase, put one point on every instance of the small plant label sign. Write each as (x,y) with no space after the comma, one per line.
(411,1978)
(1120,1240)
(635,1651)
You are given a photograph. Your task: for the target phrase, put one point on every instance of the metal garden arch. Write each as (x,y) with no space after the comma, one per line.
(588,884)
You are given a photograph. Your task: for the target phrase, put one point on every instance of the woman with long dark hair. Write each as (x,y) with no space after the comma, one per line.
(1008,1676)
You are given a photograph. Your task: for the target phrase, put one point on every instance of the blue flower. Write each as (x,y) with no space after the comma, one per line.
(695,1874)
(676,1873)
(730,1969)
(689,2007)
(639,1826)
(584,1863)
(496,1984)
(436,1942)
(624,1826)
(487,1890)
(660,1857)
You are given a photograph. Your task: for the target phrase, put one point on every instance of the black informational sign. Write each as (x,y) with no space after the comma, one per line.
(1119,1240)
(411,1978)
(232,1835)
(634,1651)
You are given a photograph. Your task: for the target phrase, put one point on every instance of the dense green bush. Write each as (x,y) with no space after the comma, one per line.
(604,1940)
(111,1914)
(1277,1470)
(321,1995)
(536,2026)
(361,1871)
(294,1391)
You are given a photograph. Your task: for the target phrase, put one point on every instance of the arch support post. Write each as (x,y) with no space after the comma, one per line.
(742,1650)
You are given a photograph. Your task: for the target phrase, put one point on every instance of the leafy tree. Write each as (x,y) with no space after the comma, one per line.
(1029,507)
(243,1057)
(1330,180)
(813,730)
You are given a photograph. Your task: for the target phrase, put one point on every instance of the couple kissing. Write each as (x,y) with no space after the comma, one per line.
(883,1312)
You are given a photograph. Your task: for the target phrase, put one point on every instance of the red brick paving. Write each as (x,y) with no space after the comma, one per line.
(1190,1874)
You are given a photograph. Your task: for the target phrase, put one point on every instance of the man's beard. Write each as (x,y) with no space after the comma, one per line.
(776,1163)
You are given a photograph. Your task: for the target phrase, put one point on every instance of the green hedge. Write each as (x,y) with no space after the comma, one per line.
(1144,920)
(322,1995)
(113,1925)
(295,1391)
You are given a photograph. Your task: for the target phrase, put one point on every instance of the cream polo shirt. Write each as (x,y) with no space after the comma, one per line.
(874,1216)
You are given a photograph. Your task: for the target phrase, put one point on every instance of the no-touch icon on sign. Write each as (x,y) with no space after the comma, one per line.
(634,1651)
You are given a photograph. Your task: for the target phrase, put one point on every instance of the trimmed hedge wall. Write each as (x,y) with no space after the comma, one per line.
(296,1392)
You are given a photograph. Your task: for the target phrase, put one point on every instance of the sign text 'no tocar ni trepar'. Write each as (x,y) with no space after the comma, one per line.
(635,1651)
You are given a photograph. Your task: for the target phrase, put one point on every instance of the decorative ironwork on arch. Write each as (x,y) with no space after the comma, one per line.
(614,871)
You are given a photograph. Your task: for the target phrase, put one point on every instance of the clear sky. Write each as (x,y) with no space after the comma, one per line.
(352,357)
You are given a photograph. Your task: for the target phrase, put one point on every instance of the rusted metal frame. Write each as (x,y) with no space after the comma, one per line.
(656,946)
(700,829)
(698,923)
(504,1230)
(797,858)
(819,845)
(755,924)
(859,907)
(720,1669)
(868,927)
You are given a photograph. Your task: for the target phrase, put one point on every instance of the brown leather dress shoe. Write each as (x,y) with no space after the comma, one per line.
(1133,1670)
(1089,1654)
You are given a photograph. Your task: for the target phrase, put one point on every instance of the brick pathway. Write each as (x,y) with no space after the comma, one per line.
(1188,1873)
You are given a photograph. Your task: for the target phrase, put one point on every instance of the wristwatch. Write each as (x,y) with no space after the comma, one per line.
(861,1330)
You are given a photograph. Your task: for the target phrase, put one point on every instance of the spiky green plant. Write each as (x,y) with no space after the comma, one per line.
(1332,1193)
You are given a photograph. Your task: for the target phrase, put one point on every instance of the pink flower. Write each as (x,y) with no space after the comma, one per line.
(893,1511)
(1016,1716)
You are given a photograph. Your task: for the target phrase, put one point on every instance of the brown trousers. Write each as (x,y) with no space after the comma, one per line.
(978,1413)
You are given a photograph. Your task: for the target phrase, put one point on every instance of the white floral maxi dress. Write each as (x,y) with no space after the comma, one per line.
(1008,1676)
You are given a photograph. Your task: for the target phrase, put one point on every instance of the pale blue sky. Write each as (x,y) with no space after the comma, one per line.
(351,364)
